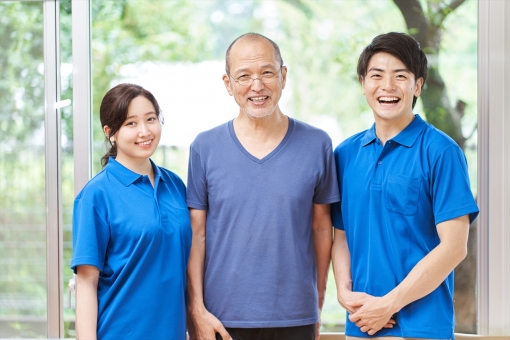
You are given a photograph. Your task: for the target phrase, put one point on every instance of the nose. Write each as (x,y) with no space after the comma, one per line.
(257,84)
(388,84)
(143,130)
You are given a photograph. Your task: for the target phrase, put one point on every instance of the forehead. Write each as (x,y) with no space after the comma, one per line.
(250,53)
(140,106)
(385,61)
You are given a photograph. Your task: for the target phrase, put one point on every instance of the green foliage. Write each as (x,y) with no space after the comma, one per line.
(21,71)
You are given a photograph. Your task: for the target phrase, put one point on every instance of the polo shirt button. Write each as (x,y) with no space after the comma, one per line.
(144,179)
(379,162)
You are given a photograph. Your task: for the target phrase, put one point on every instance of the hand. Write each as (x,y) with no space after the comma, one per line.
(351,301)
(373,314)
(204,326)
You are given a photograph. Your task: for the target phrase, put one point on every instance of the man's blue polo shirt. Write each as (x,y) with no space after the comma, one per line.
(392,198)
(139,237)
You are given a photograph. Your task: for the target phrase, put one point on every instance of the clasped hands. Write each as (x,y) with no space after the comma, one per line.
(369,313)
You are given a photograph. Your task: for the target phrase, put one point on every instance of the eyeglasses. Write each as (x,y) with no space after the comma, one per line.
(267,78)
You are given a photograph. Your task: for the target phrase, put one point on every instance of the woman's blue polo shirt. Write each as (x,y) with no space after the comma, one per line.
(392,198)
(139,237)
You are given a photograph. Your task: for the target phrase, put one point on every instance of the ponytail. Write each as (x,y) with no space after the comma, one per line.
(112,152)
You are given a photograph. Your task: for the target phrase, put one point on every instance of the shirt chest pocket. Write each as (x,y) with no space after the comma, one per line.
(401,194)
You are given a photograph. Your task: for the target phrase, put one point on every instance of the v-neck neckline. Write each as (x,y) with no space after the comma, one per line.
(262,160)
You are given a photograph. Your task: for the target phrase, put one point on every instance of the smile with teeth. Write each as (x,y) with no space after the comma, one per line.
(258,99)
(388,100)
(145,143)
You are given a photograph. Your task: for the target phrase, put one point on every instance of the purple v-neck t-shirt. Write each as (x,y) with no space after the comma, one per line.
(260,262)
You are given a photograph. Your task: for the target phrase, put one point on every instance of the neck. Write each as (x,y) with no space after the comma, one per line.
(142,167)
(264,126)
(386,130)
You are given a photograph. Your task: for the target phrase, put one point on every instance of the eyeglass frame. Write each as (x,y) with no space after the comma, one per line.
(253,79)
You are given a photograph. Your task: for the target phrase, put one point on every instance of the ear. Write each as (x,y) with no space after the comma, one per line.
(107,130)
(419,85)
(228,84)
(284,76)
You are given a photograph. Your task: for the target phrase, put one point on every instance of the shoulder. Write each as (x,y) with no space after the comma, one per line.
(205,137)
(305,128)
(439,143)
(310,135)
(170,176)
(95,187)
(351,143)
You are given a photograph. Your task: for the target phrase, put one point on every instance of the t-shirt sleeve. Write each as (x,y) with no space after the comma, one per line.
(91,235)
(326,190)
(336,208)
(451,193)
(196,191)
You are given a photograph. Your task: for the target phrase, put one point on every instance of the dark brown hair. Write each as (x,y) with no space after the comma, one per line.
(114,110)
(400,45)
(252,37)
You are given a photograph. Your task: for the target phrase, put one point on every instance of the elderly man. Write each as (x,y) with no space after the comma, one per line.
(259,194)
(403,220)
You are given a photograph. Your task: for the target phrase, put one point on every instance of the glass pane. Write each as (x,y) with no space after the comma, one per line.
(176,50)
(22,172)
(66,92)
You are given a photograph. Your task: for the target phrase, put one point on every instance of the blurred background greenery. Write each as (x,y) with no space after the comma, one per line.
(175,48)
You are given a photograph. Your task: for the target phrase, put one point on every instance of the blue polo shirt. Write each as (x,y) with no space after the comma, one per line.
(392,198)
(139,237)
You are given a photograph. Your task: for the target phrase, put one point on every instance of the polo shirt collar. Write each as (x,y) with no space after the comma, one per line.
(126,176)
(406,137)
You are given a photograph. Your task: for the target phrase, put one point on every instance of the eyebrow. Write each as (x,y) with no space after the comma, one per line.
(246,69)
(148,113)
(394,71)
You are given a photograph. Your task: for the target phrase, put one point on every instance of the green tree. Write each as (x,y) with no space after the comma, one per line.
(426,23)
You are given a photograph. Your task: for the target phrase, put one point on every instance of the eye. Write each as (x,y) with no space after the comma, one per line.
(401,76)
(130,123)
(243,77)
(268,74)
(151,119)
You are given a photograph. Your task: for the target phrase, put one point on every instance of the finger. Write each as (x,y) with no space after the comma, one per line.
(224,334)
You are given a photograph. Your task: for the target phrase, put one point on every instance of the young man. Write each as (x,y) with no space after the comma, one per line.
(259,190)
(402,223)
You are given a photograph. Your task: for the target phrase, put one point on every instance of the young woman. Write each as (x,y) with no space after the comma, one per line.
(131,231)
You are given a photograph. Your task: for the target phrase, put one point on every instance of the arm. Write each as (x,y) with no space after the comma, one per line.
(348,299)
(342,271)
(322,238)
(424,278)
(86,302)
(203,324)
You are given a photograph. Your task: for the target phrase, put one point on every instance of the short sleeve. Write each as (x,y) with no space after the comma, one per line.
(196,192)
(326,190)
(451,193)
(90,236)
(336,208)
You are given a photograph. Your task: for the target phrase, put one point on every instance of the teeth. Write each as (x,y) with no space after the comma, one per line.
(257,99)
(145,143)
(388,99)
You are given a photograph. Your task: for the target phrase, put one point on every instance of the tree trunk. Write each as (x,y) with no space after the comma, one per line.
(442,114)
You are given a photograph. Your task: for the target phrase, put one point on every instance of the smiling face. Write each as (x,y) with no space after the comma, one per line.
(255,58)
(389,88)
(139,135)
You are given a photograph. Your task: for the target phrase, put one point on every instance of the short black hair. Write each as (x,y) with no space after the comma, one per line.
(400,45)
(252,36)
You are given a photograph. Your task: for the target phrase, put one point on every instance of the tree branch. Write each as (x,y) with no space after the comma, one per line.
(415,19)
